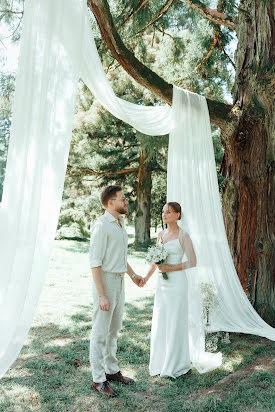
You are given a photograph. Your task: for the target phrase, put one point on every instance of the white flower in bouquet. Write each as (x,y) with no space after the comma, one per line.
(157,254)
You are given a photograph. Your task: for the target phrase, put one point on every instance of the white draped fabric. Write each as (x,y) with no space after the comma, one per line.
(192,168)
(148,120)
(38,150)
(57,48)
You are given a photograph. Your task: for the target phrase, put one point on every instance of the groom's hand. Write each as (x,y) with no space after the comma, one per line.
(104,303)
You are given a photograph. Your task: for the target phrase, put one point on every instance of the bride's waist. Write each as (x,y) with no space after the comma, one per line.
(174,261)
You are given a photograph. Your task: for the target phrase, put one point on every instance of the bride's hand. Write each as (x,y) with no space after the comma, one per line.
(164,268)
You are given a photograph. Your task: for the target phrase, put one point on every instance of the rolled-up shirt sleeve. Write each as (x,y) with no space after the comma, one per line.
(98,244)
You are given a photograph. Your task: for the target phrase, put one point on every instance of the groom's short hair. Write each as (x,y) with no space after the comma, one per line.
(109,192)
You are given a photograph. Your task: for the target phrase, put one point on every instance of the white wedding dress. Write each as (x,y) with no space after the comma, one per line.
(169,352)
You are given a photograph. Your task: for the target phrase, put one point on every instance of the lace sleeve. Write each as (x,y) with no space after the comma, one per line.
(159,238)
(187,246)
(181,239)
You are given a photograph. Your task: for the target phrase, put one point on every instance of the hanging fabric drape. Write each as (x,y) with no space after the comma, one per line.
(192,168)
(43,111)
(154,120)
(52,58)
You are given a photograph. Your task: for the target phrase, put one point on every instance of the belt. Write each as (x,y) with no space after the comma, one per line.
(121,274)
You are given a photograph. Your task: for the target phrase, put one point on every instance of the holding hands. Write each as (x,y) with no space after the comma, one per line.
(139,281)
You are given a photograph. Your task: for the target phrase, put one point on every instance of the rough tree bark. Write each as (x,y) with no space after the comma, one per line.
(248,138)
(143,201)
(249,163)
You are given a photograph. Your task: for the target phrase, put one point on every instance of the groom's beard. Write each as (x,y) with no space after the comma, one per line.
(121,210)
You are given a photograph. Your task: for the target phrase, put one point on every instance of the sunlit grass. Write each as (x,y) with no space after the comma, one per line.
(230,364)
(52,373)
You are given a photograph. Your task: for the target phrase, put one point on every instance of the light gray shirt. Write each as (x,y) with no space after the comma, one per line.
(108,246)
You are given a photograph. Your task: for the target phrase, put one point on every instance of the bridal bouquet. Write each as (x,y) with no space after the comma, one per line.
(157,254)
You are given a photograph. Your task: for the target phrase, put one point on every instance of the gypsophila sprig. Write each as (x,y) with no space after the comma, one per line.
(157,254)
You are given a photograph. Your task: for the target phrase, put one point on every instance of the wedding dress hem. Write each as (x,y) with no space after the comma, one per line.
(174,375)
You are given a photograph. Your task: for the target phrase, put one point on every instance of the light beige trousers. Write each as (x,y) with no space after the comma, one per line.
(106,326)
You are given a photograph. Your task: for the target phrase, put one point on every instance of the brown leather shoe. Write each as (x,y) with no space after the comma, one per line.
(104,388)
(117,377)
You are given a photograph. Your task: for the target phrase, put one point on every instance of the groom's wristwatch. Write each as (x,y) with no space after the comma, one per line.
(133,275)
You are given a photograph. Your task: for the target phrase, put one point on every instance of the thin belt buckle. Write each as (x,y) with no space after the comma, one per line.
(118,274)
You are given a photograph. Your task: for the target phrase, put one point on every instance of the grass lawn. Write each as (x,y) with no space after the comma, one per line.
(53,374)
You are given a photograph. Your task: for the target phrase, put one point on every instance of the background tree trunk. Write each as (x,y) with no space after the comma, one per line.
(143,200)
(248,164)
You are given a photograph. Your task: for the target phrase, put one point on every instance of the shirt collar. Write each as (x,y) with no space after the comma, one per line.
(111,218)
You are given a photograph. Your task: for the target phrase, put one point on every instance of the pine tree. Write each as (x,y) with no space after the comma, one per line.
(247,125)
(105,150)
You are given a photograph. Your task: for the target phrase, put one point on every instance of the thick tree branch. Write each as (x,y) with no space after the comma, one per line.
(219,111)
(125,57)
(213,15)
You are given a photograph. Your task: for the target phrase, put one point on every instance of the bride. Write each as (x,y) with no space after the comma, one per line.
(169,352)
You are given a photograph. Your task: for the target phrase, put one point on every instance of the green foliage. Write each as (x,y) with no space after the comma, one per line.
(159,199)
(4,139)
(176,43)
(173,46)
(218,152)
(104,144)
(11,14)
(6,94)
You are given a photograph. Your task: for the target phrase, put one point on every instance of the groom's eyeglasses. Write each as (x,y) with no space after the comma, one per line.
(120,200)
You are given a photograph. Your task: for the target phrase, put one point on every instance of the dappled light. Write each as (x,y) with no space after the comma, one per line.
(161,99)
(53,369)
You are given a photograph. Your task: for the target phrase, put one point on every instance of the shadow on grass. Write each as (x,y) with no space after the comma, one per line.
(54,367)
(73,245)
(53,373)
(140,247)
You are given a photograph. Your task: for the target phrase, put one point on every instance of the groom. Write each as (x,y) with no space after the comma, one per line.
(108,261)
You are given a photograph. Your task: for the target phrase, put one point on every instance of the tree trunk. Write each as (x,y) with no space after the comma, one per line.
(143,201)
(249,163)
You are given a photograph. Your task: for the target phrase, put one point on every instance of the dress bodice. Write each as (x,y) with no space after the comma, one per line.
(175,252)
